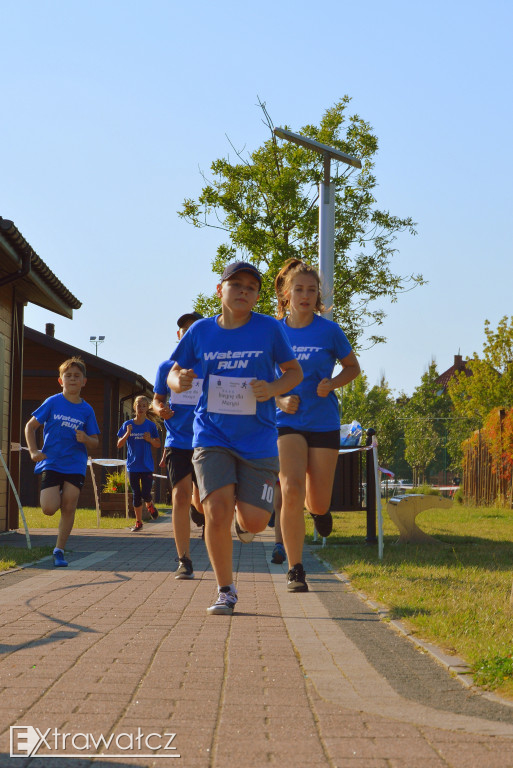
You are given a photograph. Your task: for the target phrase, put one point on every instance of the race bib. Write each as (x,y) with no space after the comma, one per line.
(190,397)
(227,394)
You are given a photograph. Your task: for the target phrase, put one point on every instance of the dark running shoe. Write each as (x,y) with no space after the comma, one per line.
(153,512)
(278,555)
(296,579)
(196,517)
(185,569)
(137,527)
(323,524)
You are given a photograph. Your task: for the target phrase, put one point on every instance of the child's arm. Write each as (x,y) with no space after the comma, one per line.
(31,428)
(180,379)
(292,376)
(90,441)
(350,370)
(161,408)
(122,440)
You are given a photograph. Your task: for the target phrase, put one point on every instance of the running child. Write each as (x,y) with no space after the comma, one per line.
(235,449)
(69,432)
(178,416)
(140,435)
(308,415)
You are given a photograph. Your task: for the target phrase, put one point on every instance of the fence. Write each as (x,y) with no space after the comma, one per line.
(487,478)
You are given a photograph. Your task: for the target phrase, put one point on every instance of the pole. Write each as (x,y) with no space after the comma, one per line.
(371,537)
(327,243)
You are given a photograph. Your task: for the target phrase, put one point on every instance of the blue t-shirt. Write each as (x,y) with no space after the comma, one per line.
(139,457)
(317,347)
(227,413)
(61,419)
(179,428)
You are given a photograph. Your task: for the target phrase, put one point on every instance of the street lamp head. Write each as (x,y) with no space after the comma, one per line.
(101,338)
(92,338)
(317,146)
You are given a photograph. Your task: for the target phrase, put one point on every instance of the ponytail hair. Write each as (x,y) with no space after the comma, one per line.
(283,284)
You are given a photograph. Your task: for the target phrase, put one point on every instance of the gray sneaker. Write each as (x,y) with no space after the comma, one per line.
(225,602)
(245,536)
(185,569)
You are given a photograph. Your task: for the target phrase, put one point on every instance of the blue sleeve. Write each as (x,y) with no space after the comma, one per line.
(122,429)
(341,343)
(91,426)
(161,387)
(185,354)
(42,413)
(283,351)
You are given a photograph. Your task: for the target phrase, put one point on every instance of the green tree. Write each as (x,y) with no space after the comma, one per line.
(491,383)
(265,202)
(426,416)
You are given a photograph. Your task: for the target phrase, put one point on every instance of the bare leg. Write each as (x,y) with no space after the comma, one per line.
(293,451)
(322,463)
(181,497)
(251,518)
(219,507)
(138,514)
(278,536)
(69,500)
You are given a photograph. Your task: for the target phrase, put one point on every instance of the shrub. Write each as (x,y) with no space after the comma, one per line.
(115,482)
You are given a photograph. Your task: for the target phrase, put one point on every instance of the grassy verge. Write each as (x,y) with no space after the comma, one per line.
(84,518)
(455,593)
(10,557)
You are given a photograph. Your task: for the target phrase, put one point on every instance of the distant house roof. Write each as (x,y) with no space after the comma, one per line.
(39,285)
(91,361)
(459,365)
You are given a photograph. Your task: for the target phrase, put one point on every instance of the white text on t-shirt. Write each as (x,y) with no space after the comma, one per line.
(232,359)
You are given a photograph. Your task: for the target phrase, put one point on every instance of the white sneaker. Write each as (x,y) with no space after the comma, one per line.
(245,536)
(225,603)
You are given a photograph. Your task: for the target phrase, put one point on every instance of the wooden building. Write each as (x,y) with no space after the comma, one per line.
(24,277)
(110,390)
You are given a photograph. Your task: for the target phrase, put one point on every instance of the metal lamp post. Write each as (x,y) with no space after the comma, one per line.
(96,340)
(326,209)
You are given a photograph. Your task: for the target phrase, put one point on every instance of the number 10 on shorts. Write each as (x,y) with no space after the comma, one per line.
(268,493)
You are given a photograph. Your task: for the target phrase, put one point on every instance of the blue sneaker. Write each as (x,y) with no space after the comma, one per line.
(278,555)
(58,559)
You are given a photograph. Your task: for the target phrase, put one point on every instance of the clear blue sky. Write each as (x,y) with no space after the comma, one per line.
(109,110)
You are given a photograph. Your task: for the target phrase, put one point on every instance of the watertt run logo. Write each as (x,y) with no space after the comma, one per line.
(28,741)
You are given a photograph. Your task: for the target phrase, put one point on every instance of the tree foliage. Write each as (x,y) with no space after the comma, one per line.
(491,383)
(266,204)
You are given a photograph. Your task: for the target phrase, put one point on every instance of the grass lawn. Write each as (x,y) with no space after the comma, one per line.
(10,556)
(455,594)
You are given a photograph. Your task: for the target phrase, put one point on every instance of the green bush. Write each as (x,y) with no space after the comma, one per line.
(115,482)
(427,490)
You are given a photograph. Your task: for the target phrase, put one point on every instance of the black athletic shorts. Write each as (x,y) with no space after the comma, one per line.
(50,478)
(179,465)
(329,439)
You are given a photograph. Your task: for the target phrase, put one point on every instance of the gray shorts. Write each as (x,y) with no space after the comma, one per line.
(254,479)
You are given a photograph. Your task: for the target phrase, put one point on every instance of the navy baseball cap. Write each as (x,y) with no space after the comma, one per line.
(241,266)
(188,316)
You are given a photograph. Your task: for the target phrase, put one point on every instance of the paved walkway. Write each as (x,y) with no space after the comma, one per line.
(115,646)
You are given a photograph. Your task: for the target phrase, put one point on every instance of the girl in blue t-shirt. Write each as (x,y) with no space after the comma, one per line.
(308,417)
(140,435)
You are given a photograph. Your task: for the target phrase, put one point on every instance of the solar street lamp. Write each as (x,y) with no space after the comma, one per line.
(96,340)
(326,208)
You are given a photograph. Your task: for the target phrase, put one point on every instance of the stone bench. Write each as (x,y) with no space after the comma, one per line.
(403,510)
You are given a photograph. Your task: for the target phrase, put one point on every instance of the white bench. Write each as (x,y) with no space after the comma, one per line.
(403,510)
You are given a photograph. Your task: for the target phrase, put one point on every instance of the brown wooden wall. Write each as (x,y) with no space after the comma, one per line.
(103,392)
(5,381)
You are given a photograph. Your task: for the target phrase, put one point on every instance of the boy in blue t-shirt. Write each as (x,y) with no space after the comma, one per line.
(178,416)
(70,431)
(235,435)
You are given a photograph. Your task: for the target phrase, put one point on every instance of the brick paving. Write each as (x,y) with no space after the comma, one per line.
(115,646)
